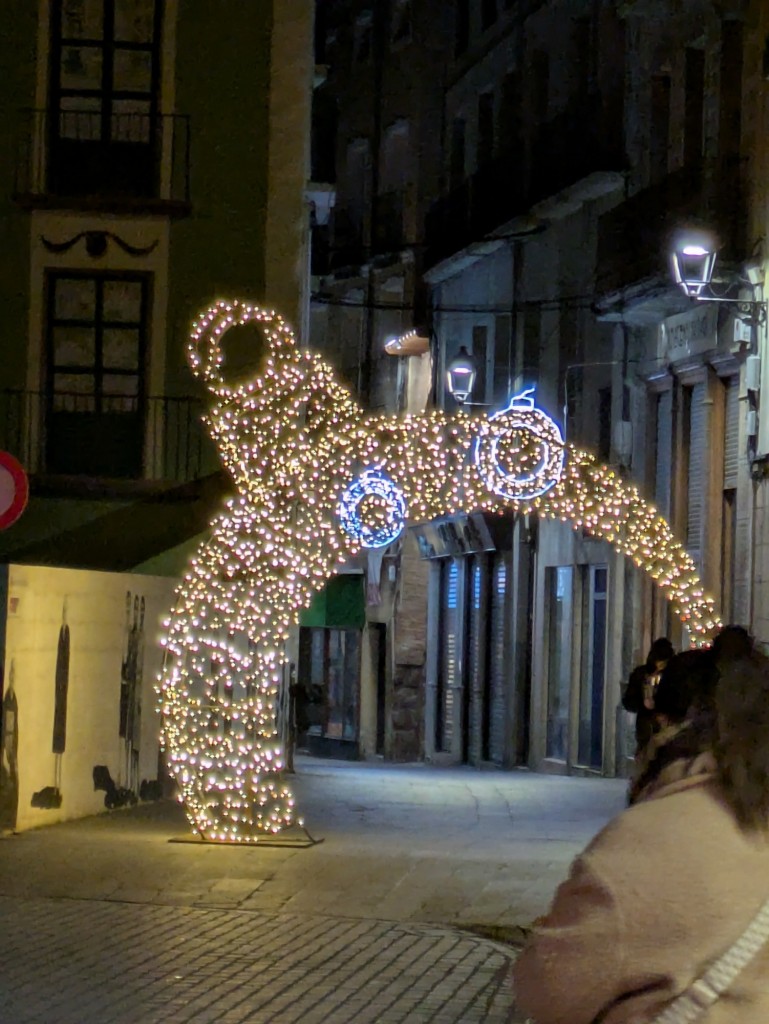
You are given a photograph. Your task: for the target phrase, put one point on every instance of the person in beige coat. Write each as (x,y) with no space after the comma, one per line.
(674,881)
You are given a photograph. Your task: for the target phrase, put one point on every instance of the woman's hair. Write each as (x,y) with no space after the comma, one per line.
(742,743)
(660,650)
(688,683)
(731,643)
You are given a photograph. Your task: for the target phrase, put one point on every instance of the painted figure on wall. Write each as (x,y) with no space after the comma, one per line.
(134,720)
(51,796)
(9,756)
(131,690)
(124,667)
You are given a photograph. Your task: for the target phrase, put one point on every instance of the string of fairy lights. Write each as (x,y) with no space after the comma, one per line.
(317,479)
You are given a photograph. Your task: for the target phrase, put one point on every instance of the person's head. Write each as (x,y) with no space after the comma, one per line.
(660,652)
(742,745)
(688,683)
(732,643)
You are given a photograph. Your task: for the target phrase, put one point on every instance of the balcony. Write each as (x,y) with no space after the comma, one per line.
(118,163)
(156,440)
(572,146)
(483,202)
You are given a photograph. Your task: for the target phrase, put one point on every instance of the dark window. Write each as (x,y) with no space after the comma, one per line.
(508,116)
(105,75)
(462,27)
(457,168)
(96,335)
(401,21)
(732,187)
(488,13)
(604,424)
(363,31)
(730,105)
(324,136)
(540,86)
(531,344)
(583,55)
(485,149)
(659,136)
(502,358)
(480,357)
(694,106)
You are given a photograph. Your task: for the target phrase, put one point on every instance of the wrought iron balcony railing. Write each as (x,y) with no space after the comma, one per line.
(103,160)
(160,439)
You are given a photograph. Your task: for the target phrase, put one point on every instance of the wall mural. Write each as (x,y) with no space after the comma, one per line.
(131,676)
(50,796)
(317,479)
(79,677)
(9,754)
(128,787)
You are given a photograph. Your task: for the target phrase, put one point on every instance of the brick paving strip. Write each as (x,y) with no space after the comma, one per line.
(79,961)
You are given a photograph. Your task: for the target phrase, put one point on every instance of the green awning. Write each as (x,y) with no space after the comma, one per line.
(340,605)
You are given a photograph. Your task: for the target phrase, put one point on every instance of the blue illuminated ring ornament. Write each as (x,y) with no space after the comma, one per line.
(373,483)
(519,451)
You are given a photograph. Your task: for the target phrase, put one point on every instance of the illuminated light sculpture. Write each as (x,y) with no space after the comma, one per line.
(293,439)
(519,452)
(372,510)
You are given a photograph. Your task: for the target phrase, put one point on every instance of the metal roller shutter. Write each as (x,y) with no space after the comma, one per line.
(732,433)
(696,498)
(476,652)
(497,674)
(448,675)
(664,451)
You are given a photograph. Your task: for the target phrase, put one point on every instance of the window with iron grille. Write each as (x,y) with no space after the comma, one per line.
(105,77)
(97,328)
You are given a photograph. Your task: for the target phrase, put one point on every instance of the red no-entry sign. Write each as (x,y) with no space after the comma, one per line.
(14,489)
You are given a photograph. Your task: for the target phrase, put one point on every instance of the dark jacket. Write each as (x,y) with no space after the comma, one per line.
(633,701)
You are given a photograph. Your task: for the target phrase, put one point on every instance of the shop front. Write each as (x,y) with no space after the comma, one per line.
(327,689)
(472,713)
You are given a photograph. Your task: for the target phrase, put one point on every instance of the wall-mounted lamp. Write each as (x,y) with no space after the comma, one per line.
(460,376)
(693,260)
(412,343)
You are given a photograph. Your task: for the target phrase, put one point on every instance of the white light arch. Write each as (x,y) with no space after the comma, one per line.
(295,441)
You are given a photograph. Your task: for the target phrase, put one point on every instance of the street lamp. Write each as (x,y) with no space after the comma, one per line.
(693,260)
(460,376)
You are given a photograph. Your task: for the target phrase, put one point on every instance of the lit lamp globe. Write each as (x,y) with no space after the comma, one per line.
(693,259)
(460,376)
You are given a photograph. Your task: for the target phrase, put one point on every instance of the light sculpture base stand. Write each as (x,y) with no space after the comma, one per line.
(294,836)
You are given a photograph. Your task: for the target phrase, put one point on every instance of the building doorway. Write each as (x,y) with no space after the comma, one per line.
(593,675)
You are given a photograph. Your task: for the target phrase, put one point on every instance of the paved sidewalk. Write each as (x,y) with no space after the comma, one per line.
(106,920)
(70,962)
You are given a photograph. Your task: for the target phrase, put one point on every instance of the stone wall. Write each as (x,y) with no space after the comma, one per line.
(405,741)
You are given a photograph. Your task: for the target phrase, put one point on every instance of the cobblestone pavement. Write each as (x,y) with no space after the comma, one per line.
(76,961)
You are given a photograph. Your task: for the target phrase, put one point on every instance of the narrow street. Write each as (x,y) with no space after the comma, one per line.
(391,918)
